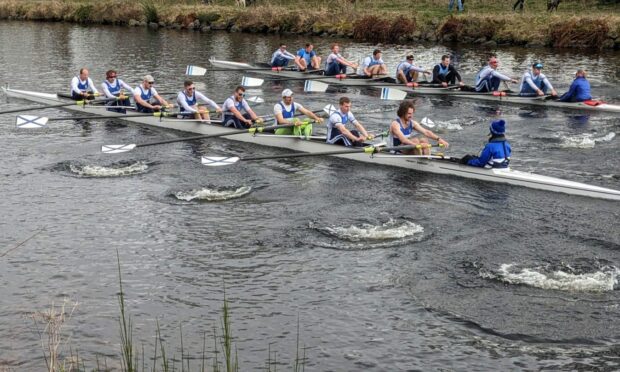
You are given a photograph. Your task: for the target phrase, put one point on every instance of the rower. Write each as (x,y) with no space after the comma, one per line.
(373,65)
(82,87)
(403,131)
(407,72)
(285,111)
(337,64)
(337,132)
(445,73)
(535,83)
(579,90)
(188,102)
(113,88)
(146,97)
(281,57)
(232,111)
(307,58)
(488,79)
(496,153)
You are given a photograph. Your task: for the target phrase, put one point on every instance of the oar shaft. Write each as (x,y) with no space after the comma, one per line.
(369,150)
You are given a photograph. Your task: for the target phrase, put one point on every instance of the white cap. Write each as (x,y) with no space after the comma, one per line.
(149,79)
(287,93)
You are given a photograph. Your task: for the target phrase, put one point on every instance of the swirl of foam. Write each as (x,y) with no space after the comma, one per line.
(208,194)
(109,171)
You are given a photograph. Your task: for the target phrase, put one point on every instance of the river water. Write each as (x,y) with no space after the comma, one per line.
(384,269)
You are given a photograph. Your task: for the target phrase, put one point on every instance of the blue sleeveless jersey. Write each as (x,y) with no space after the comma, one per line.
(393,140)
(114,90)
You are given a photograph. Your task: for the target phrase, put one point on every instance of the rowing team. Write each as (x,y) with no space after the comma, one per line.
(488,79)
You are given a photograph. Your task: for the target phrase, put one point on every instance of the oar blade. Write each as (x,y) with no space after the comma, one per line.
(255,99)
(250,82)
(315,86)
(427,122)
(330,109)
(30,121)
(195,71)
(392,94)
(218,161)
(116,149)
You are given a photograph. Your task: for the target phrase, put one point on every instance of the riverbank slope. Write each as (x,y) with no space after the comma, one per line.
(576,24)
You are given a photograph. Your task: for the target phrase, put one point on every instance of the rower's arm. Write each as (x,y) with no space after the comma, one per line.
(395,130)
(345,132)
(429,134)
(436,76)
(501,76)
(311,115)
(106,91)
(361,129)
(183,103)
(162,101)
(483,159)
(456,74)
(138,98)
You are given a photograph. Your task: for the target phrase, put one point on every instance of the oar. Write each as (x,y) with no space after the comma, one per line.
(214,161)
(391,94)
(78,103)
(256,82)
(32,121)
(115,149)
(201,71)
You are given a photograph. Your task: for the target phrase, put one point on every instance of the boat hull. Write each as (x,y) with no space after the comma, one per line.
(437,166)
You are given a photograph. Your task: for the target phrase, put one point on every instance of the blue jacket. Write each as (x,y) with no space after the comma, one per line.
(579,91)
(496,154)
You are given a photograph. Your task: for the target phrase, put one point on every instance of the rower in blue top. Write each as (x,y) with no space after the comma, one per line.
(114,88)
(146,97)
(337,64)
(535,83)
(445,73)
(188,100)
(281,57)
(579,90)
(496,153)
(407,72)
(82,87)
(232,108)
(373,65)
(406,131)
(337,131)
(488,79)
(307,58)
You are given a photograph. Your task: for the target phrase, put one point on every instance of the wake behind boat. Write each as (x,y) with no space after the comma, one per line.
(289,73)
(431,164)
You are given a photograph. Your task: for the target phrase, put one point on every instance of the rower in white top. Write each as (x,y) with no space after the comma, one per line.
(535,83)
(114,87)
(337,131)
(488,78)
(146,97)
(82,87)
(188,103)
(281,57)
(233,106)
(337,64)
(285,111)
(373,65)
(408,73)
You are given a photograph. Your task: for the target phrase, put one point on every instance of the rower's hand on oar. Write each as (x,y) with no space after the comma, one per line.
(319,120)
(444,84)
(442,143)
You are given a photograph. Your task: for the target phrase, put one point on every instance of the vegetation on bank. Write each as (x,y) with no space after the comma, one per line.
(577,23)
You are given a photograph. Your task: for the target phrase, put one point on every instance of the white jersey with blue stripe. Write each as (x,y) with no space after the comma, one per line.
(113,89)
(533,82)
(287,111)
(145,95)
(278,54)
(487,73)
(81,86)
(232,102)
(333,133)
(187,102)
(406,67)
(369,62)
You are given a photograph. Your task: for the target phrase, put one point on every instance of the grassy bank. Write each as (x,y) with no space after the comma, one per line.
(577,23)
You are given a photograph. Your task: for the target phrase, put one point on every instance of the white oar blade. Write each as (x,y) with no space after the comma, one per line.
(392,94)
(315,86)
(247,81)
(30,121)
(115,149)
(330,109)
(427,122)
(195,71)
(255,99)
(218,161)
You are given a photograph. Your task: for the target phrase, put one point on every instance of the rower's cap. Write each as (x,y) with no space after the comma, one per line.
(149,79)
(498,127)
(287,93)
(538,65)
(410,57)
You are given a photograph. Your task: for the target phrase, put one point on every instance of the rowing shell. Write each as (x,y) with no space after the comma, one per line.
(438,166)
(421,90)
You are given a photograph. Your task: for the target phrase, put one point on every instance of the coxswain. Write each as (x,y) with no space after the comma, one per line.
(337,132)
(373,65)
(535,83)
(407,72)
(146,97)
(488,79)
(232,108)
(114,87)
(496,153)
(281,57)
(445,73)
(188,103)
(285,111)
(579,90)
(82,87)
(307,58)
(404,131)
(337,64)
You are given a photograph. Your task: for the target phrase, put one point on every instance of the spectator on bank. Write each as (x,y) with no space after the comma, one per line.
(459,4)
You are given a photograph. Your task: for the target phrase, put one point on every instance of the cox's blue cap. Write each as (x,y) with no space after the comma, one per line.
(498,127)
(537,65)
